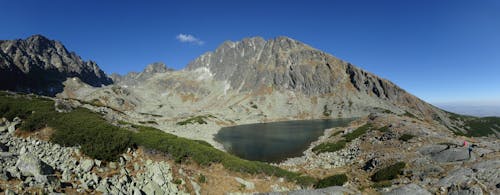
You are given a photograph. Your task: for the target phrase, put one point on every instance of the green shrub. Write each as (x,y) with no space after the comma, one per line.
(406,137)
(382,184)
(202,178)
(383,129)
(196,119)
(408,114)
(389,173)
(329,147)
(96,136)
(34,122)
(326,112)
(334,180)
(357,133)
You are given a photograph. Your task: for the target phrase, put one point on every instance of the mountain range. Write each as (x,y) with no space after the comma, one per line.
(252,80)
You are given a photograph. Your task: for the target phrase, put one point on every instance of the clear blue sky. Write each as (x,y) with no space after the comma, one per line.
(445,50)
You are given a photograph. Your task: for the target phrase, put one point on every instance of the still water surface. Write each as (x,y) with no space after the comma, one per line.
(274,142)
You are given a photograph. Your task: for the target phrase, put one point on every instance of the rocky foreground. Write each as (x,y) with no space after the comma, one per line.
(30,165)
(436,160)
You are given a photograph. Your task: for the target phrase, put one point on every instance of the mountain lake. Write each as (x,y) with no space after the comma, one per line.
(276,141)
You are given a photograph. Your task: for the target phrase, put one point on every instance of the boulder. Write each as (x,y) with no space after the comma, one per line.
(12,126)
(86,165)
(29,165)
(248,185)
(63,106)
(413,189)
(451,155)
(3,148)
(474,190)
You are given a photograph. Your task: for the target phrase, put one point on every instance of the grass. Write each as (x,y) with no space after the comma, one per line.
(382,184)
(329,147)
(339,145)
(408,114)
(195,119)
(334,180)
(357,133)
(383,129)
(388,173)
(101,140)
(405,137)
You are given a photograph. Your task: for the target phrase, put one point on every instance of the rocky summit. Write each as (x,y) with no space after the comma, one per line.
(152,132)
(39,65)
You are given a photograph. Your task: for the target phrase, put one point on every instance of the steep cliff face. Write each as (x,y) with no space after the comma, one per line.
(40,65)
(285,64)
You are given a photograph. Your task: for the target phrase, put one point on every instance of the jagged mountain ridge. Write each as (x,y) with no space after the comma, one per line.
(39,65)
(133,78)
(287,64)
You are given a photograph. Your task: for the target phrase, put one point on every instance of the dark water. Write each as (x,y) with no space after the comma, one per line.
(274,142)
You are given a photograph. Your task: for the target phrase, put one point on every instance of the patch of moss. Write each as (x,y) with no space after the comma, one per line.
(383,129)
(195,119)
(334,180)
(329,147)
(357,132)
(405,137)
(388,173)
(382,184)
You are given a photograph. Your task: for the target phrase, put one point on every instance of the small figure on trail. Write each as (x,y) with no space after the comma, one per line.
(469,148)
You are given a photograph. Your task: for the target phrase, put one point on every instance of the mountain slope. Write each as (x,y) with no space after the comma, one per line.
(287,64)
(255,80)
(40,65)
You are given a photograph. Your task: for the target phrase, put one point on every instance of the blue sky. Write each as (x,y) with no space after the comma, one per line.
(441,51)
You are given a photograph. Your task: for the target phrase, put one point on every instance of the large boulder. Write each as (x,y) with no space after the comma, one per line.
(413,189)
(29,165)
(443,153)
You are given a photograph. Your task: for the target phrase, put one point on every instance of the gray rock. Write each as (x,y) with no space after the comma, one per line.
(413,189)
(30,165)
(63,106)
(3,148)
(86,165)
(451,155)
(137,191)
(474,190)
(9,192)
(248,185)
(152,188)
(334,190)
(12,126)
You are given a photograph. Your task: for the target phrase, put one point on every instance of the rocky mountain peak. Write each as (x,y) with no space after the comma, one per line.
(40,65)
(157,67)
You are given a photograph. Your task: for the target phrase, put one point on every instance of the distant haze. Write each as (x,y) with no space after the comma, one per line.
(486,108)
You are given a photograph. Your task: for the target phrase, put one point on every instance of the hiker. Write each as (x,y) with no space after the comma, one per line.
(469,148)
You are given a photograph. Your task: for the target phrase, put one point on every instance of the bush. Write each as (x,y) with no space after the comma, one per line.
(329,147)
(357,133)
(196,119)
(96,136)
(334,180)
(406,137)
(34,122)
(382,184)
(383,129)
(389,173)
